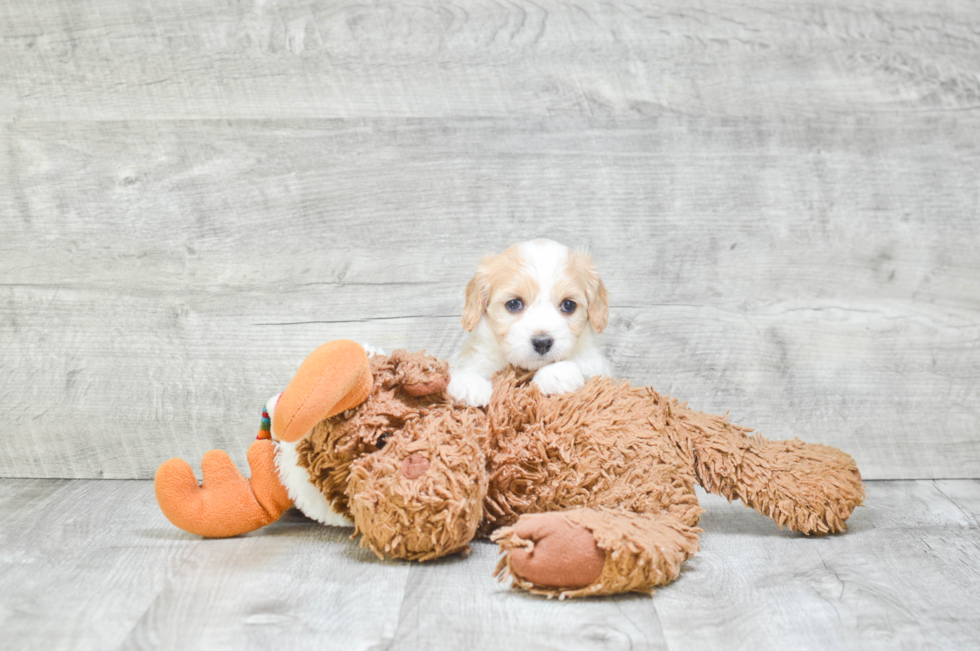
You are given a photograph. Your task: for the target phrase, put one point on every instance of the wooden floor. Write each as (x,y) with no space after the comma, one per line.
(92,564)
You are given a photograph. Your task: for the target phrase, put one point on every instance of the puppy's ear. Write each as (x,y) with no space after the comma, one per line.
(476,299)
(599,306)
(595,290)
(419,374)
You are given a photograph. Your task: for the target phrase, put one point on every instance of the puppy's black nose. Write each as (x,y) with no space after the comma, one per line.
(542,343)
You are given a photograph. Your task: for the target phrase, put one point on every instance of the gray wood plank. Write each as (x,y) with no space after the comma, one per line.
(81,561)
(904,576)
(159,280)
(122,60)
(295,585)
(456,604)
(93,564)
(964,497)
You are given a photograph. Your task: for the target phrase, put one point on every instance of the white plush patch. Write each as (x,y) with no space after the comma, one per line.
(371,350)
(305,495)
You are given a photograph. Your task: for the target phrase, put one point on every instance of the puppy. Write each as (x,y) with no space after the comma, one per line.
(538,306)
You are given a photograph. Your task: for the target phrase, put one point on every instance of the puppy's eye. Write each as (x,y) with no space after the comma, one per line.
(568,306)
(514,305)
(382,440)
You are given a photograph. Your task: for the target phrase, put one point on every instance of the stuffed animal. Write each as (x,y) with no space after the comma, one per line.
(586,493)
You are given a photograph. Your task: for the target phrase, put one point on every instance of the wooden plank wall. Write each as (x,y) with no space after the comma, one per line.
(783,199)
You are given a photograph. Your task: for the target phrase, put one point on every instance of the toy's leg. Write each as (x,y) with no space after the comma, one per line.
(805,487)
(225,504)
(594,552)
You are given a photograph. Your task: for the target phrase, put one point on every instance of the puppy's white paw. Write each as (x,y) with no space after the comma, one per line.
(594,364)
(371,350)
(470,389)
(560,377)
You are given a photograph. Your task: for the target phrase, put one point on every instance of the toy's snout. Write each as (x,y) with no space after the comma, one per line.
(414,466)
(420,494)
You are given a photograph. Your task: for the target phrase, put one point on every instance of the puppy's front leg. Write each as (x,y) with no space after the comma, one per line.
(560,377)
(469,387)
(591,363)
(571,375)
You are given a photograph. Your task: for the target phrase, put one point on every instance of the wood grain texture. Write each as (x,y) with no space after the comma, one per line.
(295,585)
(899,578)
(80,562)
(783,198)
(93,564)
(161,280)
(457,604)
(273,59)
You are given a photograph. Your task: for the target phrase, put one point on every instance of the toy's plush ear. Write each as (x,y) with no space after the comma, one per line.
(335,377)
(420,374)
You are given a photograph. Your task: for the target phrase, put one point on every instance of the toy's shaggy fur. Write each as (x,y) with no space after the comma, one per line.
(616,460)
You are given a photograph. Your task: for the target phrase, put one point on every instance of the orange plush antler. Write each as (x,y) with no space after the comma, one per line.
(225,504)
(334,378)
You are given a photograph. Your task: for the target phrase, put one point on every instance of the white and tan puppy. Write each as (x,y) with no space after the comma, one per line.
(537,306)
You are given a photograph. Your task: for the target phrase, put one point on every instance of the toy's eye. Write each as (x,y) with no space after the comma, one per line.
(514,305)
(382,440)
(568,306)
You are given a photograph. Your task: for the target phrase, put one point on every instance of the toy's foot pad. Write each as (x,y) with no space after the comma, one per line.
(558,554)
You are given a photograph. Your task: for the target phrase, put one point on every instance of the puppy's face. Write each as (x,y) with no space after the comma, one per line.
(538,298)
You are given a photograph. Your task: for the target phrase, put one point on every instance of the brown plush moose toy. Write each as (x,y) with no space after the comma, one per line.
(586,493)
